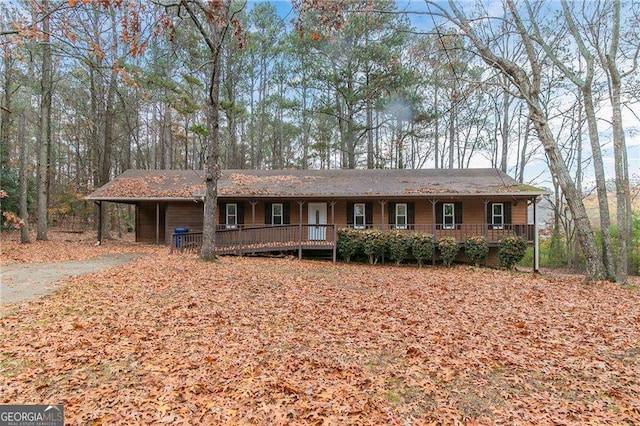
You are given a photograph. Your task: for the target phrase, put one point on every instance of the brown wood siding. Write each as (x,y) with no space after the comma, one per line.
(424,212)
(184,215)
(146,223)
(473,211)
(519,212)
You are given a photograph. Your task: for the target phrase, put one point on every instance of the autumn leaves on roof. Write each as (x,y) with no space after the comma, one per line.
(140,185)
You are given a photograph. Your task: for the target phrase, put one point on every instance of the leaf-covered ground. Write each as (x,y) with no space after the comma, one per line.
(171,339)
(64,246)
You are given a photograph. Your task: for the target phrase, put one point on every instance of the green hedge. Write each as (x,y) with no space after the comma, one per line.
(477,249)
(422,246)
(396,244)
(511,251)
(449,248)
(373,244)
(348,243)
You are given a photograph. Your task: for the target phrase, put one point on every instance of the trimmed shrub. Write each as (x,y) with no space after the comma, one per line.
(448,247)
(373,244)
(511,251)
(422,246)
(477,249)
(398,244)
(348,243)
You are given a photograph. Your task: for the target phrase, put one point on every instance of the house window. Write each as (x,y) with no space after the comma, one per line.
(448,216)
(359,216)
(401,216)
(277,212)
(232,215)
(497,215)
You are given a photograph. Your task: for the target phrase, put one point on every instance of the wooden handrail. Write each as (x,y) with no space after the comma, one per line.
(254,238)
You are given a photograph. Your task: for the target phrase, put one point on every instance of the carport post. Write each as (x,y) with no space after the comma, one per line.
(253,211)
(157,223)
(99,204)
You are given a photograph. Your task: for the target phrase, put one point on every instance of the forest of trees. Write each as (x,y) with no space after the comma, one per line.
(92,88)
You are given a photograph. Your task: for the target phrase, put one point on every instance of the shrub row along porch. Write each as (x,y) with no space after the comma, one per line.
(266,210)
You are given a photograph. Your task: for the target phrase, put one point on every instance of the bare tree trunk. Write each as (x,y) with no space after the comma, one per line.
(212,169)
(623,193)
(166,161)
(452,132)
(351,136)
(44,135)
(109,124)
(523,153)
(436,131)
(305,127)
(23,207)
(370,163)
(186,144)
(586,86)
(5,111)
(506,104)
(528,84)
(213,38)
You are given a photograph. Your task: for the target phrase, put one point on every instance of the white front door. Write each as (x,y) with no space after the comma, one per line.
(317,216)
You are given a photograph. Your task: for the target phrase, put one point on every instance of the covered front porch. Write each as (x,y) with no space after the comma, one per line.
(253,239)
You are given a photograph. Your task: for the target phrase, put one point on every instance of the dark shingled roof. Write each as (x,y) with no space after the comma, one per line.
(138,185)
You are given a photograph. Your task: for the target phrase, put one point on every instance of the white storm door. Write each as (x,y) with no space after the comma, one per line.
(317,216)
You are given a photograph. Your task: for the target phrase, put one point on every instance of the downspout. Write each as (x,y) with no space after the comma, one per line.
(536,246)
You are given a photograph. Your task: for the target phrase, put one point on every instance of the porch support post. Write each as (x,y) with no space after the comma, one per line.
(99,204)
(157,223)
(433,228)
(485,227)
(332,203)
(300,204)
(253,211)
(536,246)
(384,223)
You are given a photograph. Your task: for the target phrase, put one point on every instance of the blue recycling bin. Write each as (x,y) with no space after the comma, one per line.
(178,236)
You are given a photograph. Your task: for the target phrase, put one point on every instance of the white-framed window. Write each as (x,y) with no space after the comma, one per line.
(448,216)
(359,216)
(277,214)
(401,216)
(497,215)
(232,215)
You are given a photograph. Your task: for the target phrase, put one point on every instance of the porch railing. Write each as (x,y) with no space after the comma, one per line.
(243,239)
(263,238)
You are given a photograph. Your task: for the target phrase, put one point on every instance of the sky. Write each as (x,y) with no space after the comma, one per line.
(537,169)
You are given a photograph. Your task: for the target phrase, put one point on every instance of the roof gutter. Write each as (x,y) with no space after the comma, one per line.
(323,196)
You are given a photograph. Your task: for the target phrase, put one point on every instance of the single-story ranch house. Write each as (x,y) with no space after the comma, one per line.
(269,210)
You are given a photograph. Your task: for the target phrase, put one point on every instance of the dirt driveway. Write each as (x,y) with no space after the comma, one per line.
(28,281)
